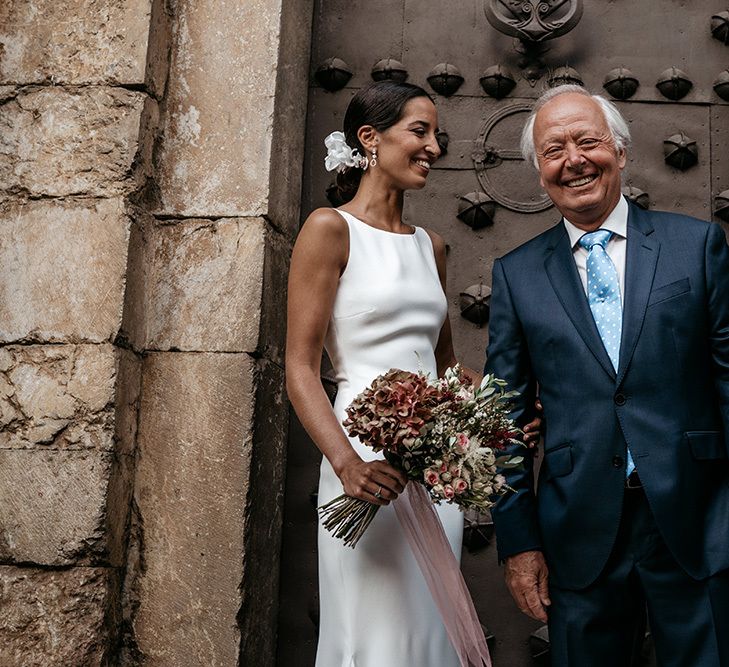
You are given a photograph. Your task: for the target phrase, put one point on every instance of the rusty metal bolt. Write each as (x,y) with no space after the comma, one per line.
(720,27)
(445,79)
(333,74)
(478,530)
(389,68)
(474,303)
(637,196)
(680,151)
(674,83)
(565,75)
(539,644)
(721,206)
(721,85)
(620,83)
(497,81)
(476,210)
(441,136)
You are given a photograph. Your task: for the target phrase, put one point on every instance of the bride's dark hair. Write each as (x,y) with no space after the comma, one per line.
(381,106)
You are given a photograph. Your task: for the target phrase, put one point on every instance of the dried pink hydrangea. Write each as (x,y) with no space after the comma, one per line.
(393,411)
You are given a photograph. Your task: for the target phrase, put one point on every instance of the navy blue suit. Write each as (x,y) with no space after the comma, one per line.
(668,401)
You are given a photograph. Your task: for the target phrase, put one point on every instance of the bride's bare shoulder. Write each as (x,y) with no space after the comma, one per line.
(326,222)
(324,234)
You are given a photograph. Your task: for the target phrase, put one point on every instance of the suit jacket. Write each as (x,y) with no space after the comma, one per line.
(668,401)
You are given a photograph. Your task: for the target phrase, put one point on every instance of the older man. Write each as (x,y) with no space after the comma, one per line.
(621,318)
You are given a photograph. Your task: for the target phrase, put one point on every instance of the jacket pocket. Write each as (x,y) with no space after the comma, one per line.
(706,445)
(669,291)
(558,461)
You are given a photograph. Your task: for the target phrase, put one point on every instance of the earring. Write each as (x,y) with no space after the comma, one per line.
(373,159)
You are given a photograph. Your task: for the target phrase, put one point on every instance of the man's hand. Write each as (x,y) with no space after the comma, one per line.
(526,578)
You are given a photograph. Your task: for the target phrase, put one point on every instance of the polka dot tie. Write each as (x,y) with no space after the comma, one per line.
(603,294)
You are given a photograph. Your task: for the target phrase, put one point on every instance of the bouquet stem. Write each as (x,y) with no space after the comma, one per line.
(347,518)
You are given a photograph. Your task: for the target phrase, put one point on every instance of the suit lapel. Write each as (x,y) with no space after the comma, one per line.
(640,268)
(562,272)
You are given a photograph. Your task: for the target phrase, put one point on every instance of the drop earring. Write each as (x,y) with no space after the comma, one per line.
(373,159)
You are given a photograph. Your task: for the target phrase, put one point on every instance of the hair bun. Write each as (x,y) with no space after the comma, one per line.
(347,182)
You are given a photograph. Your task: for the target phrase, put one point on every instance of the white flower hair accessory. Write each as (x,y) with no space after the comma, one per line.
(340,155)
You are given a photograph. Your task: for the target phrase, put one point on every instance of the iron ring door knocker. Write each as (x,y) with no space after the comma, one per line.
(487,157)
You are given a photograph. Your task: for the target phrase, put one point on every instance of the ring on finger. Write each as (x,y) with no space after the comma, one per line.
(378,494)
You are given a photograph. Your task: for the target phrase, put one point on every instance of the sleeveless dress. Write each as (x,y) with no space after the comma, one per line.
(376,609)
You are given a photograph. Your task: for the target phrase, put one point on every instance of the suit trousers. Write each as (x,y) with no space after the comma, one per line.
(601,625)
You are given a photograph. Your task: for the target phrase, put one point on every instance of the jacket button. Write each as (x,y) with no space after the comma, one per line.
(618,461)
(620,399)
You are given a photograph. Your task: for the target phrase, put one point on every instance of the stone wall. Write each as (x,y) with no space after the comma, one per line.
(72,102)
(150,169)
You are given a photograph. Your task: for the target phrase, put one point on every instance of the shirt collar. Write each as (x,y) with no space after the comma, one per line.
(616,222)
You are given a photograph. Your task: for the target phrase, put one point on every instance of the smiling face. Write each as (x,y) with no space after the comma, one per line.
(579,164)
(407,149)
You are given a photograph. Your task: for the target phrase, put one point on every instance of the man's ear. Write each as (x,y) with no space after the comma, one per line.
(622,158)
(368,136)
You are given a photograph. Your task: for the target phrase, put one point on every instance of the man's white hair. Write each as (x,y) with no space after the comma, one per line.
(615,121)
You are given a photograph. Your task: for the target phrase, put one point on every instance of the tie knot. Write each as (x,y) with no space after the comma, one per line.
(599,237)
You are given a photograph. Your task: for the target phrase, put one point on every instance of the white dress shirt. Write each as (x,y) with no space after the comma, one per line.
(616,222)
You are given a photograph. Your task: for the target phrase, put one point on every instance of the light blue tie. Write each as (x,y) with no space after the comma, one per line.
(603,294)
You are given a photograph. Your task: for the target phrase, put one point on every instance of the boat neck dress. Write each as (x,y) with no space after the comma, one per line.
(375,607)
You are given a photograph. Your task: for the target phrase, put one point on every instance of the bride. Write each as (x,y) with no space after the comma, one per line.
(370,289)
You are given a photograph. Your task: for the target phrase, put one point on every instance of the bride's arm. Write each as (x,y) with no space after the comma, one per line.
(446,357)
(319,257)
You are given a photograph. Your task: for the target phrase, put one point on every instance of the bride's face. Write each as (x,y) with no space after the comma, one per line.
(406,151)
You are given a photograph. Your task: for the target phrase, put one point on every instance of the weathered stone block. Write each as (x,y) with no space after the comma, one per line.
(191,488)
(272,336)
(158,51)
(54,505)
(56,617)
(82,41)
(215,158)
(264,517)
(7,93)
(58,142)
(289,117)
(127,386)
(57,396)
(201,285)
(65,452)
(63,268)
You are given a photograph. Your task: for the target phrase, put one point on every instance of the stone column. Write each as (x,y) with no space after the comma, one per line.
(206,304)
(73,100)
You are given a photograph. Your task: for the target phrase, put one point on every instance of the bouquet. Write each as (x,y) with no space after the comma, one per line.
(445,434)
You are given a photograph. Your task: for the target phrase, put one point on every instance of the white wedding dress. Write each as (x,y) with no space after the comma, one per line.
(376,609)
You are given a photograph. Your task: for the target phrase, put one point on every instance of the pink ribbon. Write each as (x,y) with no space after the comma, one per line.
(427,539)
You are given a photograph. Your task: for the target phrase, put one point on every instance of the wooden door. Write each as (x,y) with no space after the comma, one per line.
(666,58)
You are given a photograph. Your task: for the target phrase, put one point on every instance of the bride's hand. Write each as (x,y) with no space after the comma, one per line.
(376,482)
(535,428)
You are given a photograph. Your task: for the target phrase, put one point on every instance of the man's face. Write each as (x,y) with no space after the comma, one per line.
(579,165)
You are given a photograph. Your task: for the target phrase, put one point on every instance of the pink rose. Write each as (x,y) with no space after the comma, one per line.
(462,443)
(431,477)
(448,491)
(460,485)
